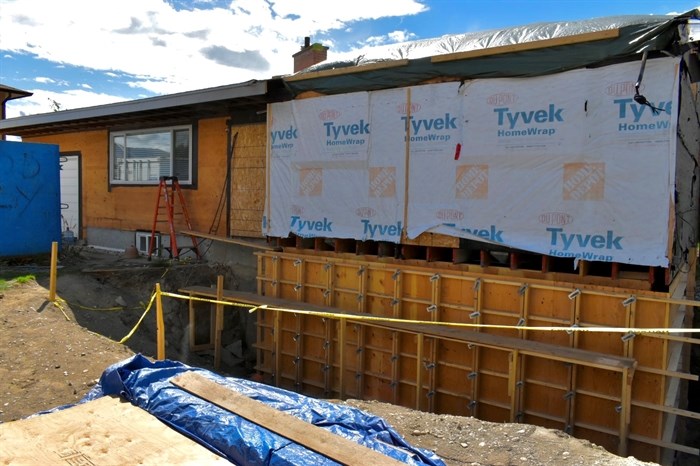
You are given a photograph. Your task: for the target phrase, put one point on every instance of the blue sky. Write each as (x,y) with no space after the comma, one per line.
(80,53)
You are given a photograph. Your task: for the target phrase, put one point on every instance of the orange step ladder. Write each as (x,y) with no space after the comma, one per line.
(167,195)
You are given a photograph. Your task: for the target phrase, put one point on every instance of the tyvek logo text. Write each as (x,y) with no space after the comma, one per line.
(345,134)
(284,138)
(629,109)
(430,129)
(373,230)
(308,227)
(530,122)
(562,241)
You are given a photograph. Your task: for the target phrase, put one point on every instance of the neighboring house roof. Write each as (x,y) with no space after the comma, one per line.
(529,50)
(10,93)
(246,97)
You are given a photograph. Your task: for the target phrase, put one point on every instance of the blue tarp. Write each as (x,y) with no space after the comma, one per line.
(147,384)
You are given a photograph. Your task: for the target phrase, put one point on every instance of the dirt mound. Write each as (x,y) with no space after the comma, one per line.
(51,356)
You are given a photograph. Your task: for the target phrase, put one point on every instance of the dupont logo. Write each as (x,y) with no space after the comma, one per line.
(365,212)
(621,89)
(501,99)
(403,108)
(555,218)
(329,114)
(382,182)
(472,182)
(447,215)
(584,181)
(310,181)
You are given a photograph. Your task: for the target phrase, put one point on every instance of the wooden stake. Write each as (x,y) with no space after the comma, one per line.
(160,325)
(52,277)
(218,321)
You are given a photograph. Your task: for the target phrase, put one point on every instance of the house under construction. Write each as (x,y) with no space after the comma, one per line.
(481,224)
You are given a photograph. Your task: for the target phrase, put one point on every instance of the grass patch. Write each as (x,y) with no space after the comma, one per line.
(9,283)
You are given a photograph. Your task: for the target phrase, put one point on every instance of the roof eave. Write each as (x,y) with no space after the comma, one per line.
(202,96)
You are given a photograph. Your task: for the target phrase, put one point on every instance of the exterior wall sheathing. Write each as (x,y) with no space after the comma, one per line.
(442,372)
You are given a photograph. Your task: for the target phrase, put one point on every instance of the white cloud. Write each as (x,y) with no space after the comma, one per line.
(44,80)
(173,51)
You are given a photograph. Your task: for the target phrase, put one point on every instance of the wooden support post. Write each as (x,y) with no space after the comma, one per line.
(478,293)
(52,273)
(625,410)
(362,289)
(513,357)
(583,267)
(160,325)
(524,293)
(299,288)
(395,350)
(276,285)
(329,293)
(277,346)
(260,275)
(419,370)
(298,356)
(545,264)
(573,372)
(396,336)
(615,271)
(342,324)
(514,260)
(484,258)
(360,374)
(434,317)
(630,318)
(328,356)
(218,321)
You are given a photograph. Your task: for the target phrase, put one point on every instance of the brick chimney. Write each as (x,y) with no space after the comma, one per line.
(309,55)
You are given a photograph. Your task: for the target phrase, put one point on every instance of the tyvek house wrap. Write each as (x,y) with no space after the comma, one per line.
(567,164)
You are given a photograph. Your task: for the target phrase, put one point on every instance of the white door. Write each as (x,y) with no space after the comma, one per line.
(70,194)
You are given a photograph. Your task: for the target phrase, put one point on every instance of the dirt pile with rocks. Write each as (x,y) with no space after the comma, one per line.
(52,355)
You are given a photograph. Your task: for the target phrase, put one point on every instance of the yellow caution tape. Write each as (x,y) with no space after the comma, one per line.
(133,330)
(58,302)
(334,315)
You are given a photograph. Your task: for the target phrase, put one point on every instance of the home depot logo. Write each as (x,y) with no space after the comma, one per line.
(382,182)
(584,181)
(310,181)
(472,182)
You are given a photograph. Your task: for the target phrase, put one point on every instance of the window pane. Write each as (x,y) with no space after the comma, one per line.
(142,157)
(118,144)
(147,156)
(181,154)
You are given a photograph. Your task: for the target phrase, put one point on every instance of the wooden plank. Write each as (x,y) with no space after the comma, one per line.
(225,239)
(346,70)
(560,353)
(314,438)
(525,46)
(106,431)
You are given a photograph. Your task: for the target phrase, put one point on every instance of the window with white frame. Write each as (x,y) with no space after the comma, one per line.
(143,156)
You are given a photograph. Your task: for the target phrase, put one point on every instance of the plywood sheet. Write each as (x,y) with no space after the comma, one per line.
(106,431)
